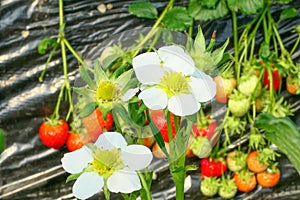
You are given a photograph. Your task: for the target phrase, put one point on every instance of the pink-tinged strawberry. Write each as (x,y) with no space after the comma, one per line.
(95,123)
(249,84)
(212,167)
(225,84)
(54,133)
(238,104)
(158,117)
(209,186)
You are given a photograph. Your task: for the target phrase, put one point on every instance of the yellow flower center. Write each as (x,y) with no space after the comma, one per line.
(106,91)
(106,162)
(175,83)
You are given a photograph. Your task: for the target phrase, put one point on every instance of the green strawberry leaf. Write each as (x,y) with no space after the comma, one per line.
(73,177)
(200,41)
(87,78)
(45,44)
(283,1)
(143,10)
(178,19)
(288,13)
(209,3)
(284,133)
(100,75)
(87,110)
(2,140)
(202,13)
(217,54)
(245,6)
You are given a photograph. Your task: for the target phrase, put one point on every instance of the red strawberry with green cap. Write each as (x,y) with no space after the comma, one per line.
(212,167)
(53,133)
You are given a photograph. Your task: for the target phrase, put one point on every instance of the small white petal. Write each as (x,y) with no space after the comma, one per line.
(176,59)
(74,162)
(136,157)
(147,67)
(187,183)
(203,89)
(87,184)
(154,98)
(109,140)
(183,105)
(124,181)
(129,94)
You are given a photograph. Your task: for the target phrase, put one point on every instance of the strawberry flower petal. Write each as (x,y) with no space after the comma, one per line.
(124,181)
(109,140)
(74,162)
(204,89)
(87,184)
(147,68)
(176,59)
(154,98)
(183,105)
(132,153)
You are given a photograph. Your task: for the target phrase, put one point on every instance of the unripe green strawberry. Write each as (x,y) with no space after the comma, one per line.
(236,161)
(209,186)
(201,147)
(247,85)
(227,189)
(238,104)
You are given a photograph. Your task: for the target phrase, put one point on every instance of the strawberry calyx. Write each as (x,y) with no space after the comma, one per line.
(273,168)
(245,175)
(266,156)
(54,122)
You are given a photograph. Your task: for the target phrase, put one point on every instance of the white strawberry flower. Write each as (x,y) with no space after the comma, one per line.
(170,79)
(110,162)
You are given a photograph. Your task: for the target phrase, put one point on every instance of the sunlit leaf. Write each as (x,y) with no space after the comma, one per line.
(288,13)
(201,13)
(178,19)
(143,10)
(245,6)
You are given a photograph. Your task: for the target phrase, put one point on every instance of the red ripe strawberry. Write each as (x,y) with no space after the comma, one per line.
(206,130)
(75,141)
(212,167)
(158,118)
(276,79)
(95,124)
(54,133)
